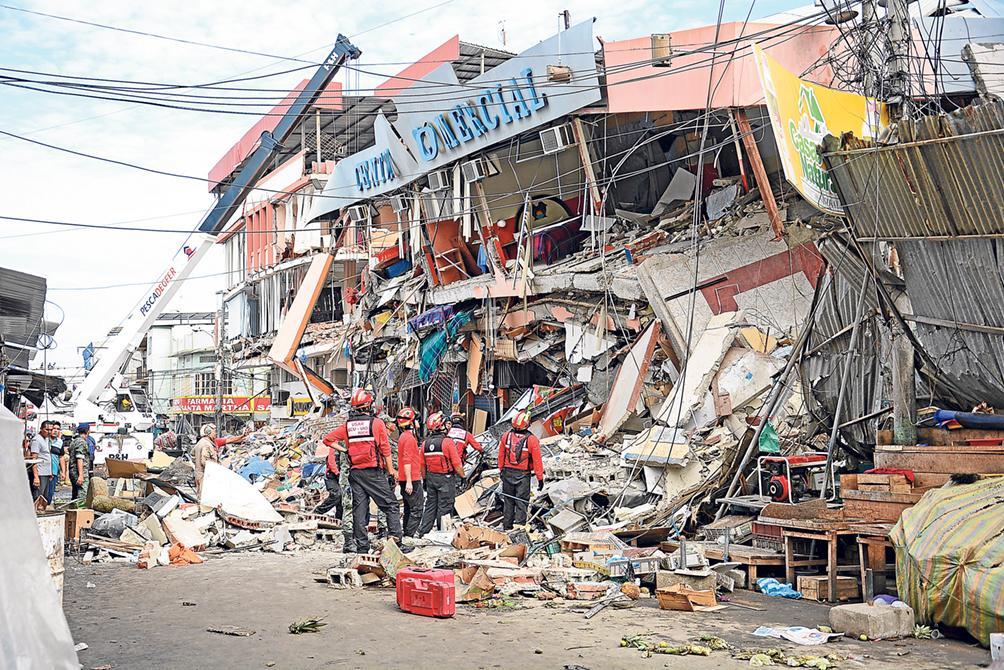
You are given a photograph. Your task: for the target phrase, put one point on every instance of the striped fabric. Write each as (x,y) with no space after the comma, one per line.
(950,557)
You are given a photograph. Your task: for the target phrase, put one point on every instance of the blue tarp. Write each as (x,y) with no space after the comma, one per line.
(256,468)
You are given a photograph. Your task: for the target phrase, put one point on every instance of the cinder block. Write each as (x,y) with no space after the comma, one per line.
(344,578)
(876,621)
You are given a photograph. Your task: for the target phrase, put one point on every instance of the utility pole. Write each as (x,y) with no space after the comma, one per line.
(221,336)
(898,57)
(867,54)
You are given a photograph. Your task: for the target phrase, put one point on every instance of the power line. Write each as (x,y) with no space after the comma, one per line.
(184,101)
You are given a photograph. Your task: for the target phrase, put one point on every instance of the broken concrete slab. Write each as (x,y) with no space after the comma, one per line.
(877,622)
(701,367)
(183,532)
(628,382)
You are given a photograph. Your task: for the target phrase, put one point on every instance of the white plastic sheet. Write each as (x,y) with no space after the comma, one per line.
(33,630)
(227,489)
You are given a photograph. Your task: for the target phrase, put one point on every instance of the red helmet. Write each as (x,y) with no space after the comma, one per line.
(361,398)
(521,420)
(435,422)
(406,417)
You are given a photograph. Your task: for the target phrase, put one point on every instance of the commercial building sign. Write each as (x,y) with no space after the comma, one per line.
(802,114)
(232,404)
(450,119)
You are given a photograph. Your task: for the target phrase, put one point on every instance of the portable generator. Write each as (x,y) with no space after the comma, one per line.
(791,478)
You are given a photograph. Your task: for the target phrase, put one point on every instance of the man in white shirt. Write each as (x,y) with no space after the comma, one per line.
(41,472)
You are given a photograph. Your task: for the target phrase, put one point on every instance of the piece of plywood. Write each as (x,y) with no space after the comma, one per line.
(942,459)
(628,382)
(118,468)
(475,356)
(480,421)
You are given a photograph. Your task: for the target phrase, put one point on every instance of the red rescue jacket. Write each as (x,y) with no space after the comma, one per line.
(366,440)
(521,451)
(441,455)
(462,438)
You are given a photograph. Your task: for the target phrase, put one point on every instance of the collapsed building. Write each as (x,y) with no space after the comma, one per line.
(702,303)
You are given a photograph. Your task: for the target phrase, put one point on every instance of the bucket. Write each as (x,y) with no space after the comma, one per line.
(51,526)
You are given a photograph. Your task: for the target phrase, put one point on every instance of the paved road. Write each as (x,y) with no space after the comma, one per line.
(136,619)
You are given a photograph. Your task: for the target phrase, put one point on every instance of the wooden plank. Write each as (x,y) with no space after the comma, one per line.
(759,173)
(886,480)
(942,459)
(875,511)
(882,496)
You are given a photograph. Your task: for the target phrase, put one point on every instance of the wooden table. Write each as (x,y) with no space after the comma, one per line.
(830,537)
(871,557)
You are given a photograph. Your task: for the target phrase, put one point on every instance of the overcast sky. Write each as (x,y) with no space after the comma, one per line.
(40,183)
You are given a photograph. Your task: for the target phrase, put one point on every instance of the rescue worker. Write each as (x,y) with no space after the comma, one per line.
(205,450)
(461,437)
(79,454)
(410,471)
(519,457)
(331,483)
(442,461)
(370,463)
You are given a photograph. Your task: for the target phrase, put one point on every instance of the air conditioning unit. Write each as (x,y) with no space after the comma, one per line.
(399,203)
(662,50)
(439,180)
(557,139)
(474,170)
(359,213)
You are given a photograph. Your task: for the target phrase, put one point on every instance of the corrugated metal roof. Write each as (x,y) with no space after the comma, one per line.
(22,304)
(821,367)
(960,282)
(942,180)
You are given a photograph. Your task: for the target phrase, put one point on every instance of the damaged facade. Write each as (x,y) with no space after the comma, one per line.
(742,339)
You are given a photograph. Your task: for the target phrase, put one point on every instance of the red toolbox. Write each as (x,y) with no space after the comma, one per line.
(426,591)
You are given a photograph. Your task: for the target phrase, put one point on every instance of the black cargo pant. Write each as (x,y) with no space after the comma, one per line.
(334,498)
(412,507)
(515,497)
(367,483)
(440,492)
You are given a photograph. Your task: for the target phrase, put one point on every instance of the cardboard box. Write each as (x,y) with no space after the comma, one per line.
(682,597)
(77,519)
(817,587)
(471,537)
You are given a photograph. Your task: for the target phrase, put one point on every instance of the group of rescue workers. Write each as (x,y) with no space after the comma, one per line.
(427,474)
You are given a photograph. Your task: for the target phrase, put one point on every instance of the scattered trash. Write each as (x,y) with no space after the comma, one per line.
(772,587)
(80,646)
(797,634)
(235,631)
